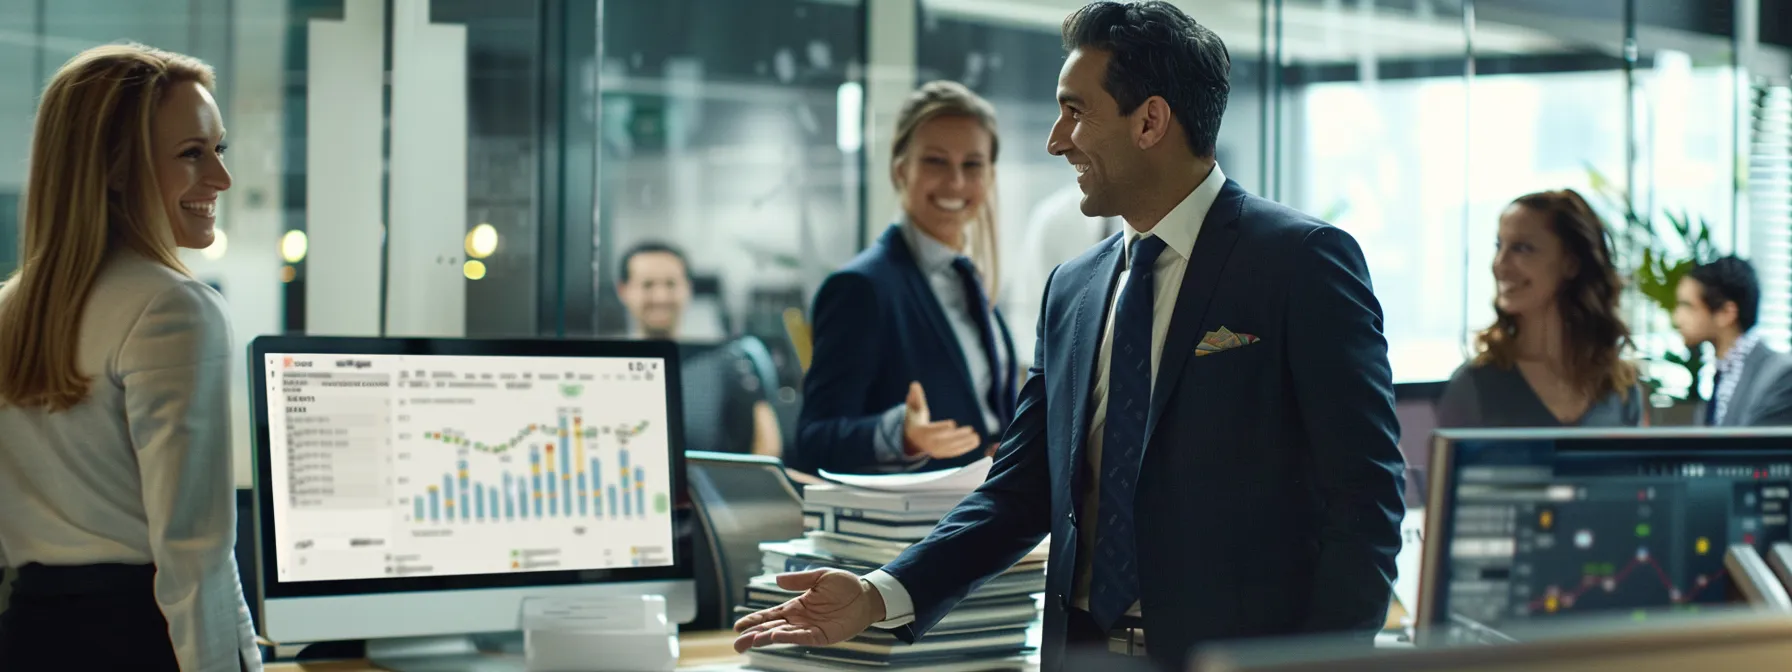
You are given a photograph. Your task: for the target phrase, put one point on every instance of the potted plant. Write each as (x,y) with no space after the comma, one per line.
(1654,264)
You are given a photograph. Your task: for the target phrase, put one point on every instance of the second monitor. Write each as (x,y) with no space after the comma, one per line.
(1538,524)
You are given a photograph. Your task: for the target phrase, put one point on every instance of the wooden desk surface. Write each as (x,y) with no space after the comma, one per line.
(713,649)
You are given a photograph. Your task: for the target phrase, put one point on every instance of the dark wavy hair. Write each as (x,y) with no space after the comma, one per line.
(1596,337)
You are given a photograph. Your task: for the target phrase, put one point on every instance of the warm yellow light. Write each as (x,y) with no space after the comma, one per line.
(287,273)
(474,269)
(482,241)
(220,244)
(293,246)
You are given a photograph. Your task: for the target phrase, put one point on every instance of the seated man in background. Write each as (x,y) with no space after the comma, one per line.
(1718,303)
(727,405)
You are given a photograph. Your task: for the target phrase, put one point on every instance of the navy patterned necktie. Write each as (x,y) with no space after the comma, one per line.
(1717,383)
(1115,582)
(1000,396)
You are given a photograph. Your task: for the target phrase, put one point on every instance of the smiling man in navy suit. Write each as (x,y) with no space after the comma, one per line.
(1208,434)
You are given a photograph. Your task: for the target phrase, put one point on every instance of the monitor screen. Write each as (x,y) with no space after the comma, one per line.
(1531,525)
(389,466)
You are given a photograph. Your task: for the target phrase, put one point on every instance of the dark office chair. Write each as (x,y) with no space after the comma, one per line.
(741,501)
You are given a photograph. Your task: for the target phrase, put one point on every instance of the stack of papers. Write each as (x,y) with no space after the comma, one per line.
(859,523)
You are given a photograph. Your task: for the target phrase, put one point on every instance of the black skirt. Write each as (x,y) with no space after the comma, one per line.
(88,617)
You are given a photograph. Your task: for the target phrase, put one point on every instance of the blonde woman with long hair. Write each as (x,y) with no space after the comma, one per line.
(115,464)
(913,367)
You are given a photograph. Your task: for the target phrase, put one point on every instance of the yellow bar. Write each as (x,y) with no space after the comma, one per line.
(578,438)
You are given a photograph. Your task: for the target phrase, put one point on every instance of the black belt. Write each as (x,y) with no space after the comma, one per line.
(38,580)
(1126,637)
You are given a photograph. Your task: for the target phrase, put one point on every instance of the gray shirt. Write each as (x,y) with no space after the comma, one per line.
(1489,396)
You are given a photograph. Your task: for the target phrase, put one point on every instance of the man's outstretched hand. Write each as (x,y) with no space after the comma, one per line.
(835,606)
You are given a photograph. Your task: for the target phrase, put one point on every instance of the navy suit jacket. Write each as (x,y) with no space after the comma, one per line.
(878,327)
(1269,499)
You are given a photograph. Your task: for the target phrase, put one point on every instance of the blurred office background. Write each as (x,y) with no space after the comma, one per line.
(470,167)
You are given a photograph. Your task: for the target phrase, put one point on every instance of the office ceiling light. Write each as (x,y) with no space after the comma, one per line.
(482,241)
(849,101)
(293,246)
(474,269)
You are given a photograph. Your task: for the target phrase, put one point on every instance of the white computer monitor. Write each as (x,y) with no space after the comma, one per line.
(411,492)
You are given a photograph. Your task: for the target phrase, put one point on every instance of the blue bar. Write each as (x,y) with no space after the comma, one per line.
(522,498)
(509,499)
(435,506)
(535,477)
(466,511)
(584,504)
(612,501)
(494,497)
(640,492)
(565,466)
(626,506)
(553,486)
(479,499)
(418,501)
(448,494)
(597,491)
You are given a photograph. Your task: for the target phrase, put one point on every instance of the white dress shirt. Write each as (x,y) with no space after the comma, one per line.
(935,261)
(139,472)
(1179,229)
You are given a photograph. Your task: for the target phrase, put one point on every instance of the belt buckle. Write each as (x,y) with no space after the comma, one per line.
(1127,641)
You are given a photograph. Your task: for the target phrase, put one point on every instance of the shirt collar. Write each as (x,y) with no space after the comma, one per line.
(1732,361)
(1182,226)
(930,254)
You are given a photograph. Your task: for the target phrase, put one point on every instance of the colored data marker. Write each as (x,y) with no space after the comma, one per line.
(1642,530)
(1546,519)
(1702,546)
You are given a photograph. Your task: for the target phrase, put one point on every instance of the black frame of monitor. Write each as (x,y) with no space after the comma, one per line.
(1441,498)
(683,515)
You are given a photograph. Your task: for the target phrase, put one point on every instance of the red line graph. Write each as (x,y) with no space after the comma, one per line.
(1588,582)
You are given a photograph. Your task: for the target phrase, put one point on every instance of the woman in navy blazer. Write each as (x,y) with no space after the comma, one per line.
(913,368)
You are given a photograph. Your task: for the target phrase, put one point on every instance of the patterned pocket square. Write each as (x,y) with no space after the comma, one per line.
(1221,341)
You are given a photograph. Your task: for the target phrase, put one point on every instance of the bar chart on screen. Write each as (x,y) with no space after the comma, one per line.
(563,476)
(561,469)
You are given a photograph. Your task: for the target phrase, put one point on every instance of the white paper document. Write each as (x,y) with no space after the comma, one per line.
(962,479)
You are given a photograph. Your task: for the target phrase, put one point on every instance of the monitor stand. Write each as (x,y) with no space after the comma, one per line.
(451,653)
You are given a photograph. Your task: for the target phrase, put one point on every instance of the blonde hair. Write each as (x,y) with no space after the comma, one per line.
(951,99)
(91,189)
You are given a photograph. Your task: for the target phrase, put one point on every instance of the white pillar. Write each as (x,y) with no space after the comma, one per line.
(890,77)
(343,129)
(427,211)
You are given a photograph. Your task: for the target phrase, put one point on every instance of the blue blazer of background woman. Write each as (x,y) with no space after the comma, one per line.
(913,369)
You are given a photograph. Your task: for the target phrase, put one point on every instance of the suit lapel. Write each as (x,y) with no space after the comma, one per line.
(1745,392)
(930,305)
(1010,366)
(1091,314)
(1205,266)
